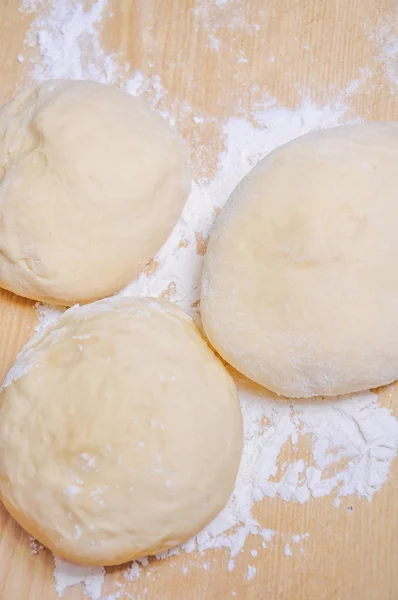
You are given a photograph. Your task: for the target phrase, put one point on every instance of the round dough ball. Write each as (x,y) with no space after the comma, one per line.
(92,183)
(121,434)
(300,284)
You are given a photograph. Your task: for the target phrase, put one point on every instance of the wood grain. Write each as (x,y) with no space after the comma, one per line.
(293,48)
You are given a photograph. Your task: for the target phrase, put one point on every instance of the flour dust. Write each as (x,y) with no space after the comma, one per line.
(385,40)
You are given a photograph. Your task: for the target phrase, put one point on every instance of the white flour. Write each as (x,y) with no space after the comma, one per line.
(354,440)
(385,39)
(66,35)
(92,578)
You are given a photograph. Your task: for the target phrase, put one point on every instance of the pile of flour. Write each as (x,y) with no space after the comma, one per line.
(353,440)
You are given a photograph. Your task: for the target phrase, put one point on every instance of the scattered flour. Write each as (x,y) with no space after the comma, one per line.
(385,39)
(288,551)
(66,37)
(251,571)
(35,546)
(66,574)
(353,440)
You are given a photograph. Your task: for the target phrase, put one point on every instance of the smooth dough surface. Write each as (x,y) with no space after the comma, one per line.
(92,181)
(121,433)
(300,284)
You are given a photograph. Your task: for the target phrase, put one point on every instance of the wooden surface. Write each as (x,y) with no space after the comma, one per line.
(319,47)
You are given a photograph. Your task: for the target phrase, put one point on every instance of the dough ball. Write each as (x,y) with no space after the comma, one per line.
(300,284)
(121,434)
(92,183)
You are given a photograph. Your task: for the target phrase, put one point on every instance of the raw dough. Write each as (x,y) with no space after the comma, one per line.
(121,434)
(300,284)
(92,183)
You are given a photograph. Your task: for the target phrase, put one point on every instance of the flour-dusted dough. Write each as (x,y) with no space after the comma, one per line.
(92,183)
(300,284)
(121,434)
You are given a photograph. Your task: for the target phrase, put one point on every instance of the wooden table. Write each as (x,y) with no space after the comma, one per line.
(317,45)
